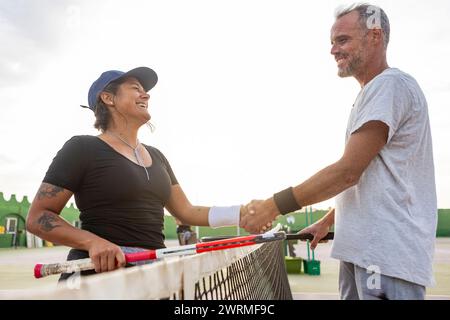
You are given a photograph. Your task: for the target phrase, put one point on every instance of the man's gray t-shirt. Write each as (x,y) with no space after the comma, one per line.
(388,219)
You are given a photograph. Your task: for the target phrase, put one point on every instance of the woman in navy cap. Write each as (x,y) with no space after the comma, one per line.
(121,186)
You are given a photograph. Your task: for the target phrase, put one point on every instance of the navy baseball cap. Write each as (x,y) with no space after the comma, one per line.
(146,76)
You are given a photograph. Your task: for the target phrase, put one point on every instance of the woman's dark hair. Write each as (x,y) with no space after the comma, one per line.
(102,113)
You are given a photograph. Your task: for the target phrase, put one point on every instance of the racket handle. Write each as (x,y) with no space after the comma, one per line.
(308,236)
(43,270)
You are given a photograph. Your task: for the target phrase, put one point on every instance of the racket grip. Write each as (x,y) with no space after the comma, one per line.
(43,270)
(308,236)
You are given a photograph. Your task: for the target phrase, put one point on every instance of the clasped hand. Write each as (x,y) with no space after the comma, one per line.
(257,216)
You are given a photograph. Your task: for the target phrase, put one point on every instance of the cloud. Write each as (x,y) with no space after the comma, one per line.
(31,32)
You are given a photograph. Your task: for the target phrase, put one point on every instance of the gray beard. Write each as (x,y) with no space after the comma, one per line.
(352,67)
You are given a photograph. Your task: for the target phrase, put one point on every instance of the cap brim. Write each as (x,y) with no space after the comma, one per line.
(146,76)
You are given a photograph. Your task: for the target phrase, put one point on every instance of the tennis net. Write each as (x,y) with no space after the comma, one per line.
(259,275)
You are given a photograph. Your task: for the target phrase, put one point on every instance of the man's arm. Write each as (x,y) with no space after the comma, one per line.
(362,147)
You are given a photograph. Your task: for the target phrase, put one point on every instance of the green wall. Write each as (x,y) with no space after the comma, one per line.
(16,209)
(19,210)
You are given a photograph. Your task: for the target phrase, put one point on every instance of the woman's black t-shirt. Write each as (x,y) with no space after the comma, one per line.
(115,199)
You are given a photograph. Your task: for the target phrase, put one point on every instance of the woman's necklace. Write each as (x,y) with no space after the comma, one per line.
(135,150)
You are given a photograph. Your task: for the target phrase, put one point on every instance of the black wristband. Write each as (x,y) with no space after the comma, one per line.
(285,201)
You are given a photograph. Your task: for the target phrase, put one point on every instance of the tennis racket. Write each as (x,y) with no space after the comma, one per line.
(43,270)
(290,236)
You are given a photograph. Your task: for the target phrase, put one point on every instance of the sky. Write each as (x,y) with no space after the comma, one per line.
(248,100)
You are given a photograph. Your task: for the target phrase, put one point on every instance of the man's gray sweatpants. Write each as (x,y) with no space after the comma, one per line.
(356,283)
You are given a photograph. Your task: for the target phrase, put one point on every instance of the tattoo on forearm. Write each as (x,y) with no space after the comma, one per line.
(48,191)
(47,222)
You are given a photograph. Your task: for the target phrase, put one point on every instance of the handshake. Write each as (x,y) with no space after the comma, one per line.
(257,216)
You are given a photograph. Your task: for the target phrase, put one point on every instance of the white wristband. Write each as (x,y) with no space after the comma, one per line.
(224,216)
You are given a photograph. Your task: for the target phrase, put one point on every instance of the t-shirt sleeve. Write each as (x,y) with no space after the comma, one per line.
(68,166)
(385,101)
(166,164)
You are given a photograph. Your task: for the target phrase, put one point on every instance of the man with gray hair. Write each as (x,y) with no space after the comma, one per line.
(386,209)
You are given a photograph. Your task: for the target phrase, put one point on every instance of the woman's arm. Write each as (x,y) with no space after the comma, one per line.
(44,221)
(181,208)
